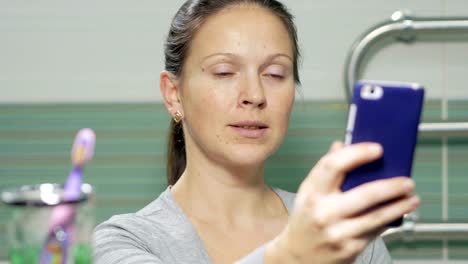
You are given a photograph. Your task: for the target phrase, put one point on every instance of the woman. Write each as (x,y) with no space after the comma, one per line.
(231,70)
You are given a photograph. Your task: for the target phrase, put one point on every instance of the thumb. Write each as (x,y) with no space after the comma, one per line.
(326,176)
(336,145)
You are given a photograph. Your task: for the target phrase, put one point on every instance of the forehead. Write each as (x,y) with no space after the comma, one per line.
(246,30)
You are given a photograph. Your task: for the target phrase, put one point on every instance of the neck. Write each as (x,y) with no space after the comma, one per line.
(210,192)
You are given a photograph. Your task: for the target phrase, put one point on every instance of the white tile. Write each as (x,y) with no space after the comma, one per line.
(121,39)
(91,52)
(456,8)
(327,30)
(418,62)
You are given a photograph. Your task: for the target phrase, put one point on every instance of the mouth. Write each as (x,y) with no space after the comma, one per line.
(250,129)
(250,125)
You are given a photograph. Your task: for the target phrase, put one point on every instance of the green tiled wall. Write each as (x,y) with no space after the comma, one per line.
(128,170)
(458,175)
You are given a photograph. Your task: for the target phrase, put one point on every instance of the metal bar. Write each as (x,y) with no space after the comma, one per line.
(449,129)
(427,231)
(405,29)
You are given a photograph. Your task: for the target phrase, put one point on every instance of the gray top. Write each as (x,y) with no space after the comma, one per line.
(162,233)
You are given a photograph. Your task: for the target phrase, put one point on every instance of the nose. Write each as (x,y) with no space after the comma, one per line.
(252,93)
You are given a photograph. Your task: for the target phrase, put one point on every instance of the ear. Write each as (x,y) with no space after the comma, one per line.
(169,86)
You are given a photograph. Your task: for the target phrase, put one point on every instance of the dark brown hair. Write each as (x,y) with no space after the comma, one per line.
(184,26)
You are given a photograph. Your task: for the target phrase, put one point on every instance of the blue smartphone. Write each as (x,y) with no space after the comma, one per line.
(387,113)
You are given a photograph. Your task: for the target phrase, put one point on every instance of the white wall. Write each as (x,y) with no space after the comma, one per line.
(111,50)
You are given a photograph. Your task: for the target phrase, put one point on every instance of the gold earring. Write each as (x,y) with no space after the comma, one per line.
(177,116)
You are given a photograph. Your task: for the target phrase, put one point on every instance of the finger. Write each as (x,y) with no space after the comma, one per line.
(356,201)
(328,173)
(371,194)
(359,244)
(351,249)
(345,251)
(336,145)
(373,221)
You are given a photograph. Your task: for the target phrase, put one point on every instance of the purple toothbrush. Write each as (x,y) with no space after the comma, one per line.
(60,233)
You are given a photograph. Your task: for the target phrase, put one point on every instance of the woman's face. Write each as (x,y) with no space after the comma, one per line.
(237,86)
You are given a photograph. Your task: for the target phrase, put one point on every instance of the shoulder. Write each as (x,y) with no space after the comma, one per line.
(287,198)
(285,195)
(376,252)
(158,233)
(154,211)
(136,228)
(134,238)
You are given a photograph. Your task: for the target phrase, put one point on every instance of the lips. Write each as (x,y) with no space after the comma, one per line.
(250,129)
(250,124)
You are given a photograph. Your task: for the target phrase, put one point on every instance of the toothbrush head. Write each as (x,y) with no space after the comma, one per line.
(83,147)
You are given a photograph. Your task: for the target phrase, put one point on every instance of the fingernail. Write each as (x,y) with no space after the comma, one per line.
(415,200)
(409,184)
(374,148)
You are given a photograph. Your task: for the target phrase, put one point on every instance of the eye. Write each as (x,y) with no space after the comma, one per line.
(223,71)
(274,76)
(223,74)
(275,72)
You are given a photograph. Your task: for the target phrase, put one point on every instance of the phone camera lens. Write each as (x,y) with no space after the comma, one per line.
(371,92)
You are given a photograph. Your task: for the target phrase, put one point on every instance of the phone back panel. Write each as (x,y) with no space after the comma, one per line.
(391,120)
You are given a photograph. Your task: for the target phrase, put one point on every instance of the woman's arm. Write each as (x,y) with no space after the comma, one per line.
(330,226)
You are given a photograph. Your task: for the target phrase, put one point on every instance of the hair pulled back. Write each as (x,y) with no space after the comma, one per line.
(184,25)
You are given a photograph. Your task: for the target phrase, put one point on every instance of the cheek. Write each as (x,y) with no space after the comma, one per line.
(283,105)
(206,110)
(282,110)
(213,103)
(207,95)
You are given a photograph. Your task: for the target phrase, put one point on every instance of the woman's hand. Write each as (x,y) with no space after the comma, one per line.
(330,226)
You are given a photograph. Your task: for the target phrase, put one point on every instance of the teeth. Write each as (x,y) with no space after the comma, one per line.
(250,127)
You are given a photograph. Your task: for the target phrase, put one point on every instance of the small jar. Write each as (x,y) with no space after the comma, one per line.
(42,227)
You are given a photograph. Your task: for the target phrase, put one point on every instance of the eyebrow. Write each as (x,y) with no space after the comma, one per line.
(235,56)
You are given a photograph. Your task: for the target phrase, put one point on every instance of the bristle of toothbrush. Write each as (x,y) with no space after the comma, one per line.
(83,147)
(82,152)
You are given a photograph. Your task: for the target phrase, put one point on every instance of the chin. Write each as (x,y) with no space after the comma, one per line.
(255,156)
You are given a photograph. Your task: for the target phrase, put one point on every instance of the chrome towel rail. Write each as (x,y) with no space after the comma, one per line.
(449,129)
(405,29)
(427,231)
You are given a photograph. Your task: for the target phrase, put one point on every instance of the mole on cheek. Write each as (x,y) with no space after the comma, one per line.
(221,140)
(203,69)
